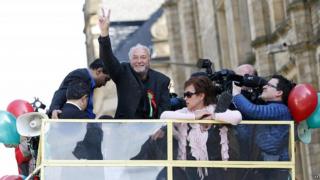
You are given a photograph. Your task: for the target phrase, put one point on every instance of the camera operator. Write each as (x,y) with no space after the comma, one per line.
(244,70)
(245,132)
(272,140)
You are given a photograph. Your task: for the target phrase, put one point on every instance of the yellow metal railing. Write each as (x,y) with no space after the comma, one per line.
(169,163)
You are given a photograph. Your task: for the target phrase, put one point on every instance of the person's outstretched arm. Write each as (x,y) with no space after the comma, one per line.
(256,111)
(106,55)
(233,117)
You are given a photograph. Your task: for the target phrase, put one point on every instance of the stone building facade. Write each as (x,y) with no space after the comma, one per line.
(276,36)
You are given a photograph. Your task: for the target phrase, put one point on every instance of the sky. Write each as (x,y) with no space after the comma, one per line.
(41,41)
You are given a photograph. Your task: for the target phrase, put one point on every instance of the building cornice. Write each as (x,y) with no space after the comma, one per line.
(280,30)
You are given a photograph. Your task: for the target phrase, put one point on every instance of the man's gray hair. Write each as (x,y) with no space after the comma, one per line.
(138,46)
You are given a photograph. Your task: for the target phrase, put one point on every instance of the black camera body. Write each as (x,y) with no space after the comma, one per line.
(176,102)
(223,83)
(223,80)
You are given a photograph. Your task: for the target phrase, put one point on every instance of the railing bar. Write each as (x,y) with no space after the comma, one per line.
(35,171)
(293,173)
(173,165)
(42,150)
(169,149)
(164,161)
(279,122)
(292,150)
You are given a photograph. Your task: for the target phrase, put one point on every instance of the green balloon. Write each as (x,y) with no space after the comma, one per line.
(8,129)
(314,119)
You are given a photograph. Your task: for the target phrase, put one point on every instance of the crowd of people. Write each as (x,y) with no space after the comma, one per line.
(143,93)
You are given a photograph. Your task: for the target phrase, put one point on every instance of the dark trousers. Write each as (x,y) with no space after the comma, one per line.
(275,174)
(90,147)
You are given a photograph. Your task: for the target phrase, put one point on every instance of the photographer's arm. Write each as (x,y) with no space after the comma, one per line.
(256,112)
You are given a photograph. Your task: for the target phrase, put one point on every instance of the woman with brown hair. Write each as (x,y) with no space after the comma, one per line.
(200,97)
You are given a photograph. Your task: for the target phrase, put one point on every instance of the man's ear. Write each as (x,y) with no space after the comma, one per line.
(279,93)
(84,99)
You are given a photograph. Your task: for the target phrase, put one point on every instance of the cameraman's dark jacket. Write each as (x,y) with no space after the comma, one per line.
(130,89)
(271,139)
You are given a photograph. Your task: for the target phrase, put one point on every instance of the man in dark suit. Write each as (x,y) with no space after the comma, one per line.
(95,76)
(77,95)
(77,100)
(142,92)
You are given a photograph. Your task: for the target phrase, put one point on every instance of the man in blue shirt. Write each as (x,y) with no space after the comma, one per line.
(95,76)
(272,140)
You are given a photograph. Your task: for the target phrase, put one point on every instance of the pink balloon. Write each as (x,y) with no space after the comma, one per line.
(302,101)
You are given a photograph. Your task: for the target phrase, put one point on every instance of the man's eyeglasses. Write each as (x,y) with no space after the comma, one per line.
(271,85)
(188,94)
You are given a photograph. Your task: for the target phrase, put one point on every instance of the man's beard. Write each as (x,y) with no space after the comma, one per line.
(142,73)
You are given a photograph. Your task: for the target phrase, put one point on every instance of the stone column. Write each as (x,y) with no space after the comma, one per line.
(303,49)
(223,37)
(188,34)
(90,10)
(208,32)
(315,21)
(259,31)
(238,31)
(256,18)
(318,65)
(276,13)
(174,38)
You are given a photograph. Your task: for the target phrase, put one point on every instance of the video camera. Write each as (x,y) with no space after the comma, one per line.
(223,80)
(176,102)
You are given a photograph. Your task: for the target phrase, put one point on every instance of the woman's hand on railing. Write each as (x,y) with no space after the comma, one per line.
(203,114)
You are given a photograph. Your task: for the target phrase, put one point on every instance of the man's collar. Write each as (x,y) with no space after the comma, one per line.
(277,102)
(69,102)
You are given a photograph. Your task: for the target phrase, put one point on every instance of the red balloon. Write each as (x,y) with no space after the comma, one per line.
(19,107)
(302,101)
(10,177)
